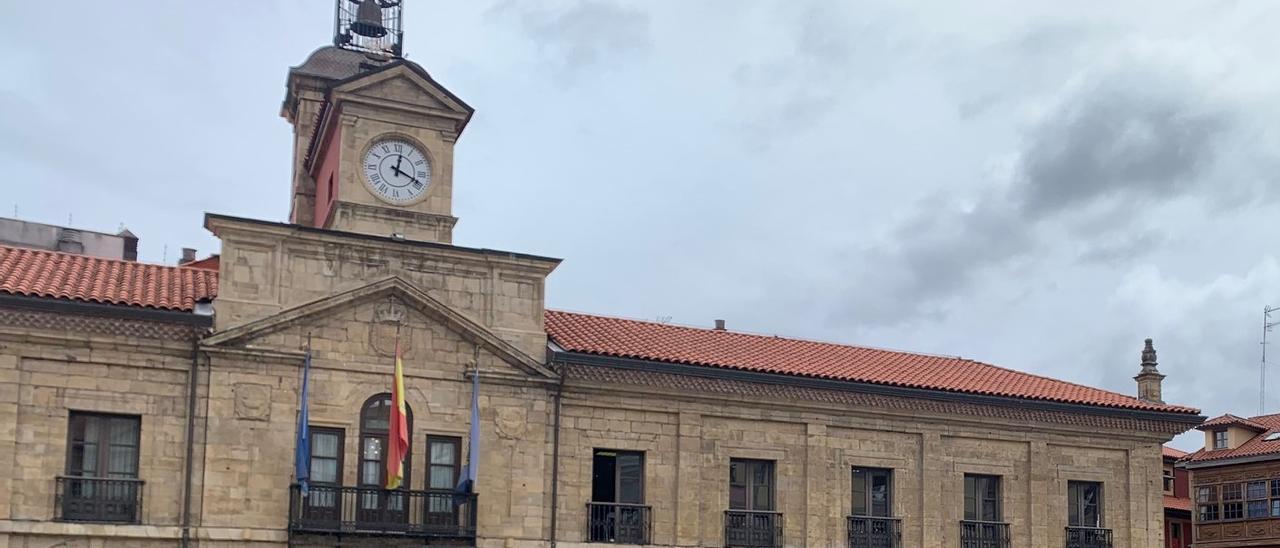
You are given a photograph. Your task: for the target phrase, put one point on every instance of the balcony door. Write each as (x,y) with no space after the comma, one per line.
(617,506)
(102,468)
(443,465)
(751,519)
(323,502)
(376,506)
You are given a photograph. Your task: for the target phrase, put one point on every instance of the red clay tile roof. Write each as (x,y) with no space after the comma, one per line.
(1257,446)
(1230,420)
(1171,453)
(211,262)
(623,338)
(1177,503)
(50,274)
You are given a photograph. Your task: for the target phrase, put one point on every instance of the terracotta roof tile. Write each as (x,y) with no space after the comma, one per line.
(50,274)
(1256,446)
(1171,453)
(1177,503)
(623,338)
(1230,420)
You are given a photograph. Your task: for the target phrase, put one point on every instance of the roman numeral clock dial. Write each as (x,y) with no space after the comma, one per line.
(396,171)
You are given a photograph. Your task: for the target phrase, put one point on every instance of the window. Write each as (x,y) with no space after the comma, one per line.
(1275,508)
(617,491)
(326,455)
(1232,491)
(1233,510)
(872,492)
(1207,494)
(375,501)
(1219,439)
(102,446)
(751,485)
(1208,512)
(102,469)
(325,470)
(1168,480)
(617,476)
(1257,509)
(1084,504)
(1256,490)
(442,471)
(981,498)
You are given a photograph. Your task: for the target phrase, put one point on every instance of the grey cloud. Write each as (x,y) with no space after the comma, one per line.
(1130,136)
(1109,140)
(589,34)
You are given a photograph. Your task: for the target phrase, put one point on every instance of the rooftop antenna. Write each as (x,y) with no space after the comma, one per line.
(1267,324)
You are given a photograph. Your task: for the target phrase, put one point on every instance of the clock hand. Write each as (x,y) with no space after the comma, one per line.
(399,159)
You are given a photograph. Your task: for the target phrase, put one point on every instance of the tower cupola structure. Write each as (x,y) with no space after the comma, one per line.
(1149,378)
(373,132)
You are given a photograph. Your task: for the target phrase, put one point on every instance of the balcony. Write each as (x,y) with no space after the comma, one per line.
(619,523)
(101,500)
(367,511)
(984,534)
(1088,537)
(752,529)
(869,532)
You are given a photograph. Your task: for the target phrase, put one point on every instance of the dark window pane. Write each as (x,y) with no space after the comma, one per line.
(1232,491)
(859,492)
(631,478)
(1257,508)
(1257,490)
(880,493)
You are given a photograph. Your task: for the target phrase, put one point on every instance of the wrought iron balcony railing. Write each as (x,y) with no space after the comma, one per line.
(433,513)
(1088,537)
(752,529)
(619,523)
(107,500)
(873,532)
(984,534)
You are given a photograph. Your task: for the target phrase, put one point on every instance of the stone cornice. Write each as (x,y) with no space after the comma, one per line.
(533,264)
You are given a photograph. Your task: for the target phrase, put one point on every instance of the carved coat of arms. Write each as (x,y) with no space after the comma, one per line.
(389,319)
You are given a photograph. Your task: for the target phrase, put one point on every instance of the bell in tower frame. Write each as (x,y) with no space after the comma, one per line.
(373,26)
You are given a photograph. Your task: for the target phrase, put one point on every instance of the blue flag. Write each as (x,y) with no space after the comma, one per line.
(467,480)
(303,455)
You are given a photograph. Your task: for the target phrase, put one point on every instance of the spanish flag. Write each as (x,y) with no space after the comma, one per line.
(398,434)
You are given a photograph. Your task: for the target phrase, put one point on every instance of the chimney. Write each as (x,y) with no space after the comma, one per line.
(129,251)
(720,325)
(1149,378)
(70,241)
(188,255)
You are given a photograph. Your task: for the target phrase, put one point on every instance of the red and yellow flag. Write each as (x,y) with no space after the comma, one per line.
(398,434)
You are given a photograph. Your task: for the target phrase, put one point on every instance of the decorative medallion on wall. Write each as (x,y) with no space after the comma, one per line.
(253,401)
(511,422)
(390,318)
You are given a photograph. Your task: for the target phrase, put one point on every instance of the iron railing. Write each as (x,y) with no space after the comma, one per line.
(873,532)
(108,500)
(984,534)
(619,523)
(752,529)
(1088,537)
(433,513)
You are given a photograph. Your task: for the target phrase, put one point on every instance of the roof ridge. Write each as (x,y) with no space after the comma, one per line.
(852,346)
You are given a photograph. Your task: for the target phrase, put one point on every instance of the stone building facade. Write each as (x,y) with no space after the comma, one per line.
(147,405)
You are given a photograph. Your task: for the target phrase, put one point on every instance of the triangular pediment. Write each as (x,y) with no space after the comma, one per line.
(405,84)
(387,302)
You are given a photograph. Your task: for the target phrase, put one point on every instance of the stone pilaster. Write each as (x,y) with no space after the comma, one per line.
(688,475)
(932,474)
(818,467)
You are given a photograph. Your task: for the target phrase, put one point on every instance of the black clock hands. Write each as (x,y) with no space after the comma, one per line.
(396,168)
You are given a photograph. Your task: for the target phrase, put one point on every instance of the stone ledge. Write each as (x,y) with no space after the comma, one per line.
(89,529)
(109,530)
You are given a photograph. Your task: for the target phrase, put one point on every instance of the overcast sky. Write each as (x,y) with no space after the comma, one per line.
(1039,185)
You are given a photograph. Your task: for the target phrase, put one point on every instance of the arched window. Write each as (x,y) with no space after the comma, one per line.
(375,422)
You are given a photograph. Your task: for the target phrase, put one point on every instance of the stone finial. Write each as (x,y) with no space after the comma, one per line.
(1149,378)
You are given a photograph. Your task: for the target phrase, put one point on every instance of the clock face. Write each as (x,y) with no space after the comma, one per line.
(397,171)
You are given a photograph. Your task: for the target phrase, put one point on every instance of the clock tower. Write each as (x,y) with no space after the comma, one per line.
(373,132)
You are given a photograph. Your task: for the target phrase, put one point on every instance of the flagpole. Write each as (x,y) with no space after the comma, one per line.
(302,445)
